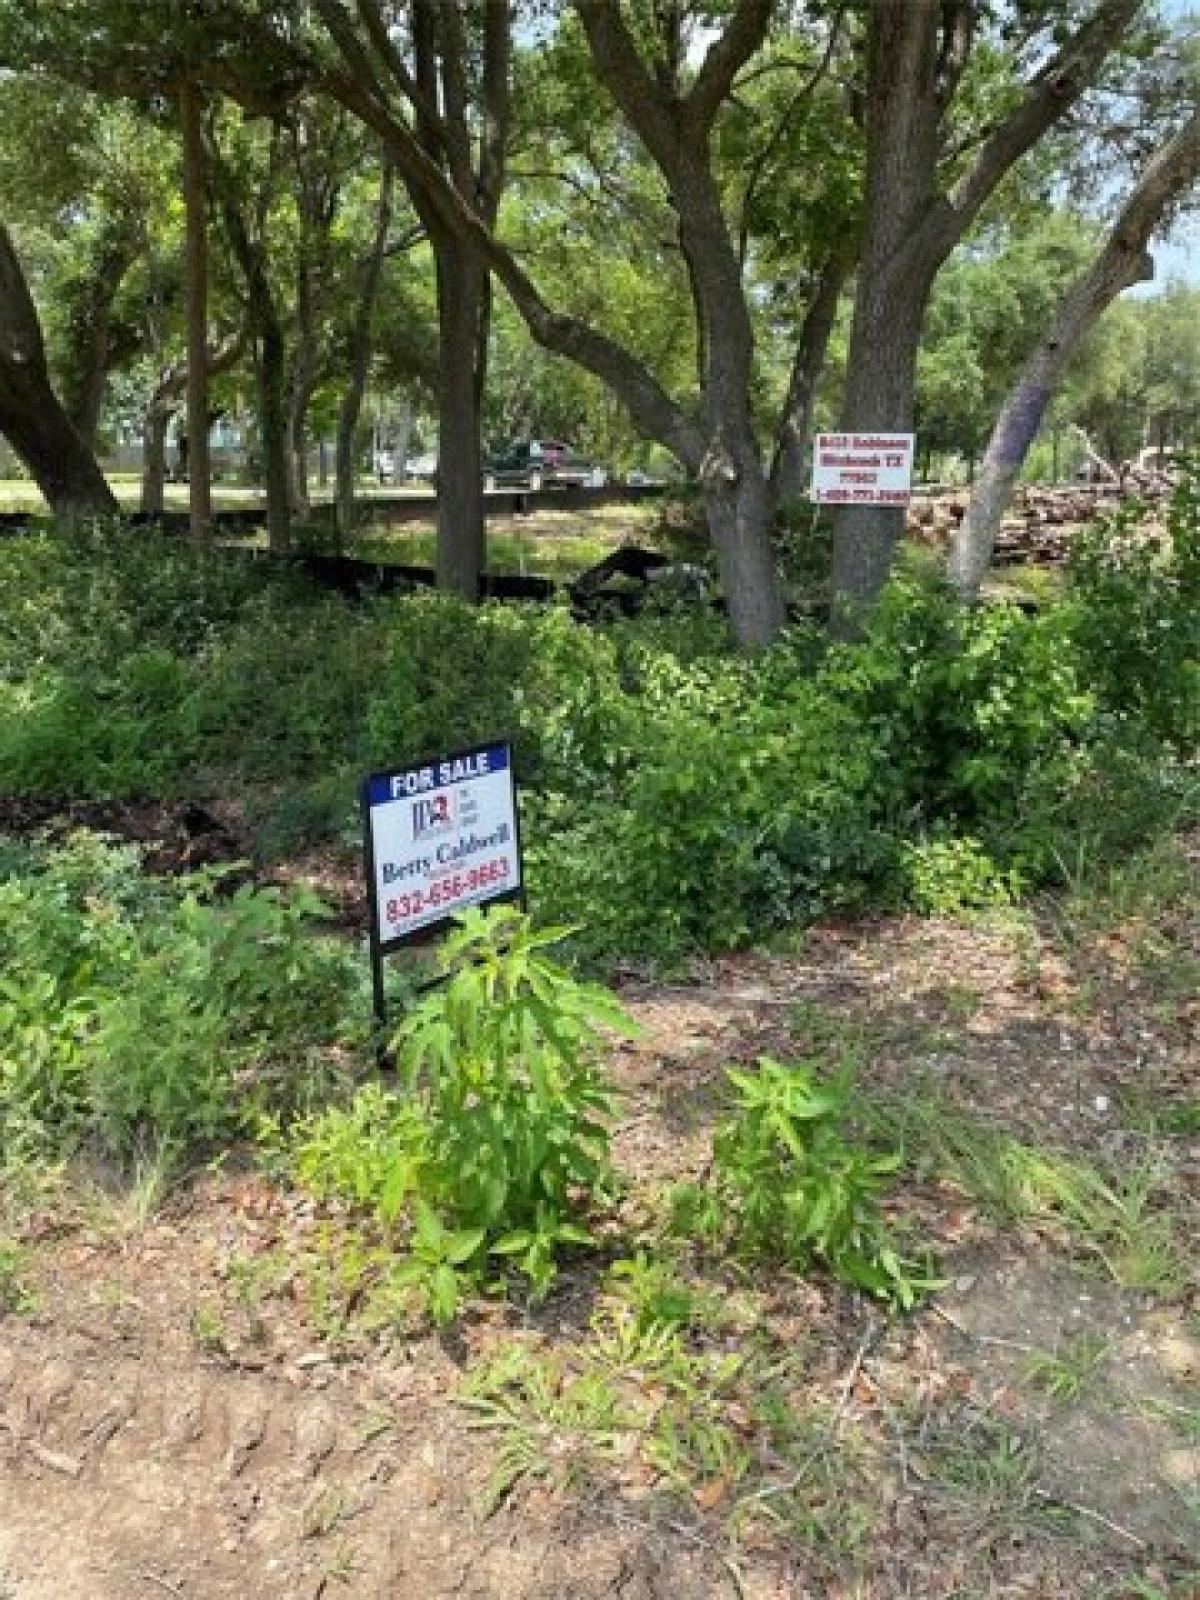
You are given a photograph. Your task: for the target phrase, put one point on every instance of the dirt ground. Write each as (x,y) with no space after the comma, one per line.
(185,1411)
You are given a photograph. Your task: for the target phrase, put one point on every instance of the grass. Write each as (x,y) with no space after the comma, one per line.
(21,494)
(550,544)
(1122,1220)
(989,1472)
(16,1297)
(1068,1371)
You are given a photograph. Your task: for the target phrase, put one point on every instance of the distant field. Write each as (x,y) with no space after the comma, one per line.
(18,494)
(551,544)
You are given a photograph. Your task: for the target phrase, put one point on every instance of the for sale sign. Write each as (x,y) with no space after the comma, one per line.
(440,836)
(863,469)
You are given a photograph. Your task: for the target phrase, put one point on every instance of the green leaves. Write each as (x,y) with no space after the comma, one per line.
(792,1187)
(500,1138)
(145,1017)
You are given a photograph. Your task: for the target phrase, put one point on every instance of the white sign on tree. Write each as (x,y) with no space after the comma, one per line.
(862,469)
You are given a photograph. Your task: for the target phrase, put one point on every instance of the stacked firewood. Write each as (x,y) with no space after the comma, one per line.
(1042,518)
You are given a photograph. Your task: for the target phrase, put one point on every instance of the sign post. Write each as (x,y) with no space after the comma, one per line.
(862,469)
(438,836)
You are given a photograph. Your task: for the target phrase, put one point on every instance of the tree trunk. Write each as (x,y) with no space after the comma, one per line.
(92,351)
(789,477)
(464,315)
(1123,261)
(880,395)
(195,196)
(273,424)
(154,455)
(346,468)
(270,364)
(894,279)
(299,448)
(31,417)
(739,516)
(304,381)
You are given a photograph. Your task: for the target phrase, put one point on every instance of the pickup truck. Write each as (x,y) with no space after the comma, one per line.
(541,464)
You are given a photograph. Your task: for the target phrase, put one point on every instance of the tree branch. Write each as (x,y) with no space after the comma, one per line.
(1055,88)
(725,58)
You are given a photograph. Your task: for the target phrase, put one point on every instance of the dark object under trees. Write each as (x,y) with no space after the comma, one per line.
(31,416)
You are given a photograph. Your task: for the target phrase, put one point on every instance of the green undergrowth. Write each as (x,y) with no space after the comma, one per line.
(143,1017)
(679,797)
(492,1153)
(495,1146)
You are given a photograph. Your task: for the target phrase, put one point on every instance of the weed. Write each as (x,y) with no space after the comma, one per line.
(209,1331)
(148,1019)
(16,1297)
(324,1512)
(502,1131)
(549,1421)
(988,1470)
(342,1566)
(1185,1420)
(1120,1220)
(656,1294)
(790,1185)
(697,1453)
(1067,1371)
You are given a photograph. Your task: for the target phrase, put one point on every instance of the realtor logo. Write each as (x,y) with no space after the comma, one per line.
(435,815)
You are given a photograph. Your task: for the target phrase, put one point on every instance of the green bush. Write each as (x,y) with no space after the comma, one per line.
(500,1136)
(1135,615)
(678,797)
(134,1015)
(791,1186)
(459,675)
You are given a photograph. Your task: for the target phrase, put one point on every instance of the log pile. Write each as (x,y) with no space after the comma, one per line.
(1042,518)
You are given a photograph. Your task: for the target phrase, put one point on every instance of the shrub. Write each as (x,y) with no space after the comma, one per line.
(459,675)
(134,1015)
(790,1186)
(501,1134)
(1135,614)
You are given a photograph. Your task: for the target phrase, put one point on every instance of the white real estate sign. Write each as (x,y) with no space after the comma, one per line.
(441,836)
(862,469)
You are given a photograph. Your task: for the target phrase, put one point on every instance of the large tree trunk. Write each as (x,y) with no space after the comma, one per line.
(895,275)
(346,467)
(464,314)
(1123,261)
(739,516)
(917,53)
(31,417)
(880,398)
(195,196)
